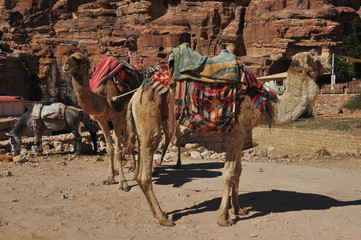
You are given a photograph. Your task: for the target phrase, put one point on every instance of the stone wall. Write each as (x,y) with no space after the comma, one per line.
(295,141)
(213,142)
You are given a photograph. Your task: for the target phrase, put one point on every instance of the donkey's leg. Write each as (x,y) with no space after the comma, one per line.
(73,122)
(77,146)
(38,141)
(231,173)
(103,124)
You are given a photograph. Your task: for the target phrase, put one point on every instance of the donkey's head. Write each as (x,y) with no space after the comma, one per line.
(15,142)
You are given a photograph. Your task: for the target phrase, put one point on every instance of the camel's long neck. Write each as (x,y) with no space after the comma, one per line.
(295,99)
(88,100)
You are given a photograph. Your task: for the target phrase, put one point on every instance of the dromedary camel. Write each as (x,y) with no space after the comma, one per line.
(145,115)
(103,109)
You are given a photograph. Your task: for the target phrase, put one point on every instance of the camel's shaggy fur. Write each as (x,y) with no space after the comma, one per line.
(101,108)
(145,116)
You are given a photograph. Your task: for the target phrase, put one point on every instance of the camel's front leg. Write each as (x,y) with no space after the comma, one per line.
(231,174)
(122,180)
(223,220)
(109,147)
(118,124)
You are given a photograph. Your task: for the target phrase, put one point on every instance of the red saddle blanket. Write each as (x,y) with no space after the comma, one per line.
(123,74)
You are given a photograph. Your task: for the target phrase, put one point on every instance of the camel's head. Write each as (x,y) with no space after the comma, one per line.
(314,64)
(15,142)
(75,63)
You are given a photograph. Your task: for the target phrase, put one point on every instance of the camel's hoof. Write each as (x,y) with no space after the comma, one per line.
(77,154)
(225,222)
(166,222)
(243,211)
(158,162)
(123,163)
(109,181)
(125,189)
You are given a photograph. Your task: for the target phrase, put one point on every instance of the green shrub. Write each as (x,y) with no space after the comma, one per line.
(323,152)
(354,103)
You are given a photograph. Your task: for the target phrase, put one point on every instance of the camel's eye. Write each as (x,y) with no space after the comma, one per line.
(76,60)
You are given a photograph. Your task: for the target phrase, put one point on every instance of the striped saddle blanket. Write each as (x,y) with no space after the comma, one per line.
(124,75)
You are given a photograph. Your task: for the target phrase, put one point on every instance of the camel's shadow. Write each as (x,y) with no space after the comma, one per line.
(168,175)
(266,202)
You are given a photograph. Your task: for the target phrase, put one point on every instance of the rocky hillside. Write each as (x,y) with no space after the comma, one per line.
(263,33)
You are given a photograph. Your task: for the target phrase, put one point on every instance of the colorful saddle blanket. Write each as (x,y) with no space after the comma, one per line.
(210,106)
(53,111)
(189,64)
(123,74)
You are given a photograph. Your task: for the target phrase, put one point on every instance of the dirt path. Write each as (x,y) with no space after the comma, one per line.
(55,197)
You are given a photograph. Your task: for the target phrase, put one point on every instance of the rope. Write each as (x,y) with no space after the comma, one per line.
(122,95)
(74,109)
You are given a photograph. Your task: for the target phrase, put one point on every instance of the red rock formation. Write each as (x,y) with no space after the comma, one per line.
(263,33)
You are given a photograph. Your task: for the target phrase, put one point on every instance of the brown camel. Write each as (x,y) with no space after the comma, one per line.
(145,115)
(103,109)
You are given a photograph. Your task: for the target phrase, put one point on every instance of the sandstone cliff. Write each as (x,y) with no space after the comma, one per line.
(263,33)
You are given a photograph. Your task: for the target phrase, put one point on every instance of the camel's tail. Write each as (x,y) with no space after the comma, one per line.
(131,130)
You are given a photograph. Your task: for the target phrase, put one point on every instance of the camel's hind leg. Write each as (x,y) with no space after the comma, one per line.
(231,173)
(144,179)
(146,118)
(103,124)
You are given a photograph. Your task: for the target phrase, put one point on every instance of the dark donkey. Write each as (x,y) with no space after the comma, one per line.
(72,117)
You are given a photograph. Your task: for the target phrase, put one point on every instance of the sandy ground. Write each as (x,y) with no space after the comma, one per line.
(59,197)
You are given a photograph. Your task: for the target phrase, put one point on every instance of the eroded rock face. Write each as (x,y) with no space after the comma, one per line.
(263,33)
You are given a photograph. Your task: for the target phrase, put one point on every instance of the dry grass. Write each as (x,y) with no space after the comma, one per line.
(347,125)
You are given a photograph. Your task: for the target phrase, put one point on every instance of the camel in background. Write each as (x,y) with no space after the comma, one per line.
(146,112)
(103,109)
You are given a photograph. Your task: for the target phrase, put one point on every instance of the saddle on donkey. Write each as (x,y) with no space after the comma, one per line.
(207,89)
(53,111)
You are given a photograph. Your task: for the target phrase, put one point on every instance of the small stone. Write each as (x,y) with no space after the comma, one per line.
(271,148)
(253,235)
(14,200)
(7,174)
(64,196)
(20,159)
(196,155)
(191,145)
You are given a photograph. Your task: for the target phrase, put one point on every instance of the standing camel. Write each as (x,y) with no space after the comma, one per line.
(145,116)
(103,109)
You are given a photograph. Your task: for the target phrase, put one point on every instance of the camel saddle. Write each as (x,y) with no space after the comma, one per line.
(124,75)
(208,90)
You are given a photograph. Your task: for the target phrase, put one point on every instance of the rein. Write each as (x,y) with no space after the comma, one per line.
(309,70)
